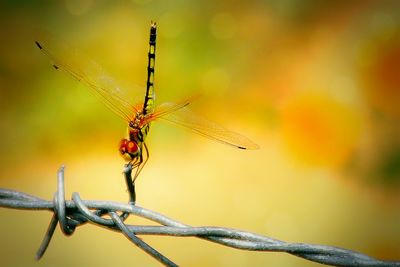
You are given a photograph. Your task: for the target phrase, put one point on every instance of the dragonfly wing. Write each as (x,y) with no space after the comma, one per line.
(183,116)
(89,73)
(167,108)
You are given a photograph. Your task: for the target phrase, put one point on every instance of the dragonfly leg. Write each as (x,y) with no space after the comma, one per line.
(135,162)
(141,161)
(137,166)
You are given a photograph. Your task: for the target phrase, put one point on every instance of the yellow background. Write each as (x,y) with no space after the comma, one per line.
(315,83)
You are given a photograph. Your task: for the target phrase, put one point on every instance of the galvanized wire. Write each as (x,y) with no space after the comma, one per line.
(73,213)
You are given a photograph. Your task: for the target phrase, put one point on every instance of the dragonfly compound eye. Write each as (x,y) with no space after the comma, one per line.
(128,149)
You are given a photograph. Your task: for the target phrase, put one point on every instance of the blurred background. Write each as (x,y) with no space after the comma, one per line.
(315,83)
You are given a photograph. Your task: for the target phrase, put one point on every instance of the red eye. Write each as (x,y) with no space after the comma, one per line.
(131,147)
(127,146)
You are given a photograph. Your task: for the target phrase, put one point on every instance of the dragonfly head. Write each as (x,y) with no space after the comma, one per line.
(129,149)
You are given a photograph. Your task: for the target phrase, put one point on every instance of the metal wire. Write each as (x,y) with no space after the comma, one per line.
(73,213)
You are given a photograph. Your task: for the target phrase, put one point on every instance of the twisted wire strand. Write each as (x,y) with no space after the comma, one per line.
(70,214)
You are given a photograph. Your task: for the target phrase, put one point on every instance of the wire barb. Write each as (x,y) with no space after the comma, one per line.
(73,213)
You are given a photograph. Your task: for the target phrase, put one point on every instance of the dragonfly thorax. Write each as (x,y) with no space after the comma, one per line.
(138,121)
(138,128)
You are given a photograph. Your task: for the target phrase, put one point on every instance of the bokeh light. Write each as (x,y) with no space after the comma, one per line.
(320,131)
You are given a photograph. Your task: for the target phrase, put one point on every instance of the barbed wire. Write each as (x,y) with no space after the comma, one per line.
(76,212)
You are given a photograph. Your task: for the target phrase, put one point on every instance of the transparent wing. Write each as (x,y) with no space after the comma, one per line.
(167,108)
(91,74)
(183,116)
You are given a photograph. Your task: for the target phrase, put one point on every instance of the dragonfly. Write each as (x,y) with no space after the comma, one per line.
(125,102)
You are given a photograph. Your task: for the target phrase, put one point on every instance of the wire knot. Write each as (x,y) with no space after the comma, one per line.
(71,217)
